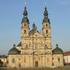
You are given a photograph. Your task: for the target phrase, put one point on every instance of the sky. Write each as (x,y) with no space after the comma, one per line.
(11,13)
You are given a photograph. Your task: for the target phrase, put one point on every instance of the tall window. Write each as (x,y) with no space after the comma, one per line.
(45,47)
(52,64)
(19,65)
(24,31)
(58,59)
(46,31)
(13,60)
(46,25)
(24,24)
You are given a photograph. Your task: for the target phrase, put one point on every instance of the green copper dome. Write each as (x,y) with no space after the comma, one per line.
(14,51)
(25,19)
(57,50)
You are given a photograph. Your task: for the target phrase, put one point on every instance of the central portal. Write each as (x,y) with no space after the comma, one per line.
(36,63)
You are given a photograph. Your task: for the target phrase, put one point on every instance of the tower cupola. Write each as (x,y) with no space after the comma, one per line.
(46,28)
(25,13)
(45,12)
(46,19)
(25,24)
(25,16)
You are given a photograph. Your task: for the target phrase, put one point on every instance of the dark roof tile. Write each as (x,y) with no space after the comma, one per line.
(14,51)
(57,50)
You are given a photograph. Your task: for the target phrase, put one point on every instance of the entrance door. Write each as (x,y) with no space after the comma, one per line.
(36,63)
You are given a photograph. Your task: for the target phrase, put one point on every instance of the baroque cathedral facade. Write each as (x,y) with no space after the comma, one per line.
(35,47)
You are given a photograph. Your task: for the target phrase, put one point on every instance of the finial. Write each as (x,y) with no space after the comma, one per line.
(25,13)
(14,45)
(34,27)
(56,45)
(45,12)
(35,20)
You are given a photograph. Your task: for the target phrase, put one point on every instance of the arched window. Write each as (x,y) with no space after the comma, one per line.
(19,65)
(46,25)
(13,60)
(59,60)
(24,24)
(45,47)
(52,64)
(46,31)
(24,31)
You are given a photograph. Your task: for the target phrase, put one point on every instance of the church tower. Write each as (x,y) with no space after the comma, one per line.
(34,50)
(25,24)
(46,29)
(24,27)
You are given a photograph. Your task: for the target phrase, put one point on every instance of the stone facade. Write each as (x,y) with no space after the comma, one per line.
(34,49)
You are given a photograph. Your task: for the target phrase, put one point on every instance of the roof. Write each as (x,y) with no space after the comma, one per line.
(57,50)
(32,32)
(66,53)
(19,44)
(46,19)
(3,56)
(25,19)
(14,51)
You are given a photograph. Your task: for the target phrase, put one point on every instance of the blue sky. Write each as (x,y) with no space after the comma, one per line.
(11,15)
